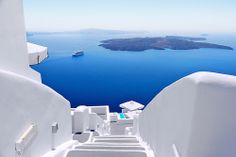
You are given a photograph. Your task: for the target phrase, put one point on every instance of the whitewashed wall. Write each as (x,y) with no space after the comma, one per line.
(36,53)
(13,49)
(196,114)
(24,102)
(23,99)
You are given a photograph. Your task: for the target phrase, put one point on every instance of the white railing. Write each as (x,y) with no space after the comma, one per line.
(175,151)
(102,126)
(25,139)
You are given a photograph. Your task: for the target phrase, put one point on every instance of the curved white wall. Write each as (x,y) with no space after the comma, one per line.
(13,48)
(23,102)
(196,114)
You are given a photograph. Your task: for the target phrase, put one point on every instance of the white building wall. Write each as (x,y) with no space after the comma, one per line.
(36,53)
(24,102)
(167,118)
(13,48)
(195,115)
(214,118)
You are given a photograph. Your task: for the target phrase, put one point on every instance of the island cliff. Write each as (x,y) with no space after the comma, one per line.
(159,43)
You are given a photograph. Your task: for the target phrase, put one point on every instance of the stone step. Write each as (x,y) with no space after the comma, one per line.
(117,147)
(113,144)
(116,136)
(116,140)
(105,153)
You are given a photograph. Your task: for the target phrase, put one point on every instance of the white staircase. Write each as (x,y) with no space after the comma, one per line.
(111,146)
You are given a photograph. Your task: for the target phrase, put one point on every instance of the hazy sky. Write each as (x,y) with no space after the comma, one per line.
(202,16)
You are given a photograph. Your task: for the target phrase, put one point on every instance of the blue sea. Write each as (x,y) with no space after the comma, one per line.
(105,77)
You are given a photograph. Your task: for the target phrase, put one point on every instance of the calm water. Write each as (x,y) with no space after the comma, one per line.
(104,77)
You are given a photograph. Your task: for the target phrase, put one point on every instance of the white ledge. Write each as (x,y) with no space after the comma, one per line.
(36,53)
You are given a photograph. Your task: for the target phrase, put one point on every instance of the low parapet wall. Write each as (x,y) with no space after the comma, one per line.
(36,53)
(193,117)
(31,114)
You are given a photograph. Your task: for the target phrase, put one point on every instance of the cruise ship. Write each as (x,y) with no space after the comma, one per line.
(78,53)
(193,117)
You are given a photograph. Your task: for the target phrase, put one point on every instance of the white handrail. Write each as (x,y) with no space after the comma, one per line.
(25,139)
(175,150)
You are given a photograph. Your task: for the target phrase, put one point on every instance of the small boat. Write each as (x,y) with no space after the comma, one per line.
(78,53)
